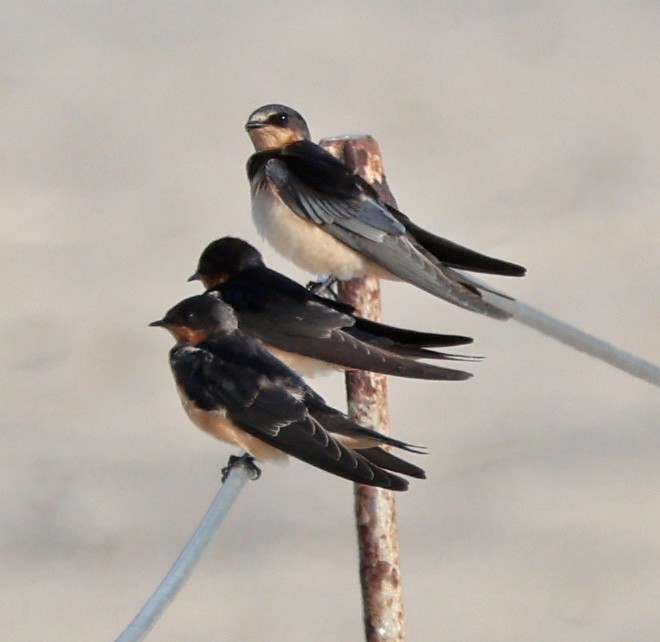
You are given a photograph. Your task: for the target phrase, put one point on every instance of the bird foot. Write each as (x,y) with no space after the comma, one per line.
(247,461)
(324,286)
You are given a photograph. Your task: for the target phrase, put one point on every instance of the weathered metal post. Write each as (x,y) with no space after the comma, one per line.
(375,510)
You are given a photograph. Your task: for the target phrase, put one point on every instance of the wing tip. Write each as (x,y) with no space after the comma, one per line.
(447,374)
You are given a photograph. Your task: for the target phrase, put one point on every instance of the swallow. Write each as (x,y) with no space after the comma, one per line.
(313,335)
(319,214)
(234,389)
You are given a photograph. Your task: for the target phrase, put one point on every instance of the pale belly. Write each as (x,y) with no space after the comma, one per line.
(215,423)
(304,366)
(307,244)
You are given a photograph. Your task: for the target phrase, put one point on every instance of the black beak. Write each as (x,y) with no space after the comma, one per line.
(157,324)
(194,277)
(254,124)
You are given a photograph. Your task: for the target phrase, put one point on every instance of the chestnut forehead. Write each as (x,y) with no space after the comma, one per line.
(273,137)
(213,277)
(269,116)
(188,335)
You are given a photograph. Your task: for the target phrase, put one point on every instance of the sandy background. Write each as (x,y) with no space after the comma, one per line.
(528,131)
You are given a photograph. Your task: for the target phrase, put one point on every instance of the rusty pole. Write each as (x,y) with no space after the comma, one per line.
(375,510)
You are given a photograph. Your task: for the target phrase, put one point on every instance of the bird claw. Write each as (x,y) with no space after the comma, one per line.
(326,285)
(245,460)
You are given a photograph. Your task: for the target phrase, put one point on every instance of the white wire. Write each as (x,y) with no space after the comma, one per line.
(571,336)
(189,556)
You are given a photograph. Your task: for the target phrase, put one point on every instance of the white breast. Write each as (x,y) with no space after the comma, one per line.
(305,243)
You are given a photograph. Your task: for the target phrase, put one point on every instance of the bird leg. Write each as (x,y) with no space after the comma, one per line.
(322,286)
(246,460)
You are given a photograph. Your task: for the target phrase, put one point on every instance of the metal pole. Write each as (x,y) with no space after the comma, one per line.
(375,510)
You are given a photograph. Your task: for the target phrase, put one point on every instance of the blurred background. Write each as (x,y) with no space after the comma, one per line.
(529,131)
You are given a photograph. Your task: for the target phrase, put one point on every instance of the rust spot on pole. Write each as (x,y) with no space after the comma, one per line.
(375,510)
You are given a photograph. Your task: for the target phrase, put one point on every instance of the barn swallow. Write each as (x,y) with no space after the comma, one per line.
(311,334)
(234,389)
(318,213)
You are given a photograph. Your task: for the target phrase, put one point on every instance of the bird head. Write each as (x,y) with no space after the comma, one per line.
(224,259)
(196,318)
(275,126)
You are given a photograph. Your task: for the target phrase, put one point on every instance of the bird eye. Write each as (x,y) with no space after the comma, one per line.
(280,118)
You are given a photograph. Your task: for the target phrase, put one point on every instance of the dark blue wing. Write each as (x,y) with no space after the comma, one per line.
(263,406)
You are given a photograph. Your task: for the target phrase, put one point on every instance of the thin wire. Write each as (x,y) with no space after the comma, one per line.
(189,556)
(571,336)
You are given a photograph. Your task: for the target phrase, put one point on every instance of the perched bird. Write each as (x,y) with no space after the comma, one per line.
(318,213)
(309,333)
(234,389)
